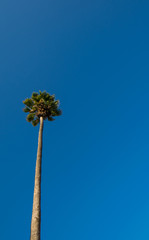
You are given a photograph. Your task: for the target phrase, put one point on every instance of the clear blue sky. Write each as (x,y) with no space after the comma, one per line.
(94,56)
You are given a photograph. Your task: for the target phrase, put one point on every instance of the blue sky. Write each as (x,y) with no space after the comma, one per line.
(94,56)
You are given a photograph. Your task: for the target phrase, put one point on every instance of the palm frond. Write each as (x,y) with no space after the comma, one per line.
(30,117)
(28,102)
(50,118)
(35,122)
(36,98)
(26,109)
(34,94)
(47,97)
(57,112)
(33,110)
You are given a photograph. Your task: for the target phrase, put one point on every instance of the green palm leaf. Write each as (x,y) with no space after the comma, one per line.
(50,119)
(26,109)
(28,102)
(35,122)
(30,117)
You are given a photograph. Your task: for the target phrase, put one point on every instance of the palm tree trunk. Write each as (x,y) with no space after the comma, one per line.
(36,212)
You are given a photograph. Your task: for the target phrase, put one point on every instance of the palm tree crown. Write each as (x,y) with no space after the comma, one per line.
(41,104)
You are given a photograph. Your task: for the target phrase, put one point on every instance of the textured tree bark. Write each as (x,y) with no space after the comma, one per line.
(36,212)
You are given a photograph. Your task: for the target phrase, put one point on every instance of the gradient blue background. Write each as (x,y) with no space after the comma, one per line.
(94,55)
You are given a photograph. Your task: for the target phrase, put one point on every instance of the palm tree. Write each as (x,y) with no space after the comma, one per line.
(40,106)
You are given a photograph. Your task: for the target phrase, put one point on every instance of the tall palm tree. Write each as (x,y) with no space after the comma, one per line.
(40,106)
